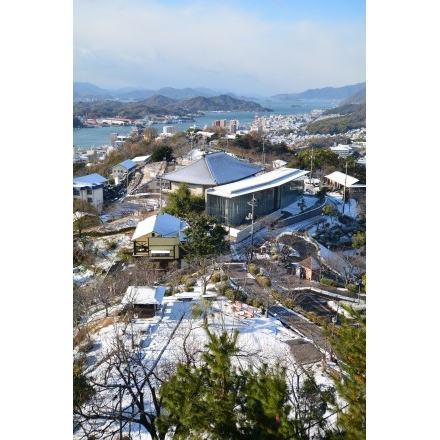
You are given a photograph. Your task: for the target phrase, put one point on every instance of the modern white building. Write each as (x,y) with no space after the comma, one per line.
(170,130)
(342,150)
(232,204)
(90,189)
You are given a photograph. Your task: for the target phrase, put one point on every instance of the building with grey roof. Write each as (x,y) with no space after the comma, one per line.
(211,170)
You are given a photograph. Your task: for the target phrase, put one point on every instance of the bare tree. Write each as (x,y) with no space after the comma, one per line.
(126,392)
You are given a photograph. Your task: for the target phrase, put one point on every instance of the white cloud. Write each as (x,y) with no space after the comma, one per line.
(212,45)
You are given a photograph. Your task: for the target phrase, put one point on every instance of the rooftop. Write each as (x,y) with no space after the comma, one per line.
(277,177)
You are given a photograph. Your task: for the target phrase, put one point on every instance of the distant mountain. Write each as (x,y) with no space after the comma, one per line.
(222,103)
(324,93)
(163,105)
(89,91)
(359,97)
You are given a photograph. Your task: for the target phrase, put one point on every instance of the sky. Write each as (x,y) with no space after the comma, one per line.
(244,47)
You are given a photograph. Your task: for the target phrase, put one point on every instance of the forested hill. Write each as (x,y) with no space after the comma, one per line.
(358,98)
(163,105)
(349,117)
(323,93)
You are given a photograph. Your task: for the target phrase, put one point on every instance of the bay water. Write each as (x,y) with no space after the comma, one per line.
(87,138)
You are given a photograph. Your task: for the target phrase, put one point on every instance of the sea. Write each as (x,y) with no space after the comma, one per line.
(89,138)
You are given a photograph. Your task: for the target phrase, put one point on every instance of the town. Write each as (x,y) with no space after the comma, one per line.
(291,254)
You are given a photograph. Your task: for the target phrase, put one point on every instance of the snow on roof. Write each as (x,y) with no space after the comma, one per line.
(341,147)
(92,186)
(264,181)
(213,169)
(164,224)
(342,178)
(94,178)
(144,295)
(279,163)
(140,158)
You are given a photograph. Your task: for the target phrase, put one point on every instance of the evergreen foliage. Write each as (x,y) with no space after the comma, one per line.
(181,203)
(205,238)
(218,400)
(349,344)
(82,390)
(354,117)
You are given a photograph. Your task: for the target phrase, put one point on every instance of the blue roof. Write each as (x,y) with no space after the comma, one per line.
(129,164)
(91,178)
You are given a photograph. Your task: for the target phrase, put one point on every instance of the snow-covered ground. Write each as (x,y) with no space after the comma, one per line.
(264,337)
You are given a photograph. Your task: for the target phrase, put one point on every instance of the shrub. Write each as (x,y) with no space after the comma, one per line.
(352,288)
(230,294)
(190,282)
(111,245)
(222,287)
(252,268)
(263,281)
(216,277)
(125,254)
(256,303)
(328,282)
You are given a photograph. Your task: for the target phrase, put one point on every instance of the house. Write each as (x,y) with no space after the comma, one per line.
(159,237)
(90,189)
(279,163)
(211,170)
(124,169)
(309,266)
(340,180)
(143,301)
(142,160)
(342,150)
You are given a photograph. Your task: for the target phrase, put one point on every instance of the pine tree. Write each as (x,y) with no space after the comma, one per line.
(218,400)
(349,344)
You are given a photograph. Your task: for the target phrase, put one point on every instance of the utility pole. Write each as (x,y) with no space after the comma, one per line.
(345,187)
(160,192)
(253,204)
(264,156)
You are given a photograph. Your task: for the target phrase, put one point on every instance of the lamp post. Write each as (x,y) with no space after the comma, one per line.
(345,188)
(191,137)
(252,203)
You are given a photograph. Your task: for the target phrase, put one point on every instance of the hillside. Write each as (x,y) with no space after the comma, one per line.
(350,117)
(323,93)
(358,98)
(351,114)
(87,91)
(163,105)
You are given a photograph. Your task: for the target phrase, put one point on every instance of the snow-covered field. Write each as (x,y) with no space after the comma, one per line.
(262,338)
